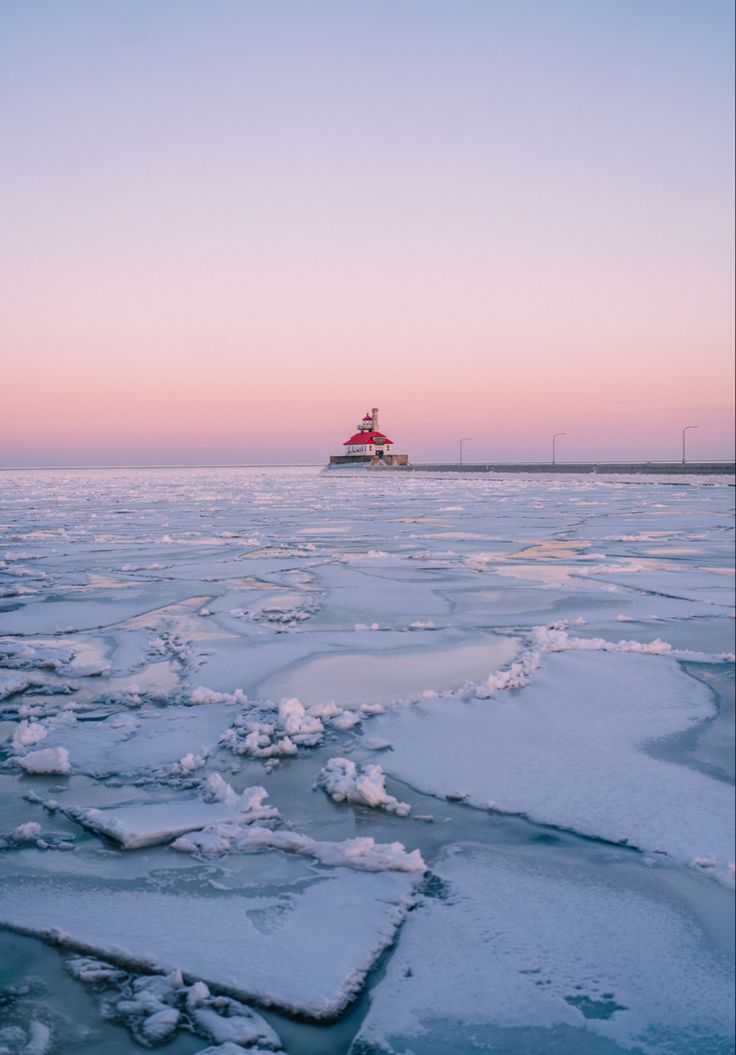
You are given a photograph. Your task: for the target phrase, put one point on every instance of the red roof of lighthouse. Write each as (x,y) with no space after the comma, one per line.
(366,437)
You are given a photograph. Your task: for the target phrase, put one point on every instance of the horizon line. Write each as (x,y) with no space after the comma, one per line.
(309,465)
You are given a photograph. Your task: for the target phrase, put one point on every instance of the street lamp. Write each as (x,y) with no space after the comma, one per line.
(683,440)
(462,441)
(554,445)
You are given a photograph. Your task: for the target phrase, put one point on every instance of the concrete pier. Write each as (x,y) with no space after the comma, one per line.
(601,468)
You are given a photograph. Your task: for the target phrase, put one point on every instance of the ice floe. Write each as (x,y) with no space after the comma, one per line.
(570,749)
(146,746)
(134,826)
(508,953)
(309,940)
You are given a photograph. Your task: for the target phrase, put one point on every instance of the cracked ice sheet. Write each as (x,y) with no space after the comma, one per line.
(301,940)
(49,615)
(514,954)
(569,749)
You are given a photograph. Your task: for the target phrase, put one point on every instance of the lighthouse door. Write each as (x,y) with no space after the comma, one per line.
(379,452)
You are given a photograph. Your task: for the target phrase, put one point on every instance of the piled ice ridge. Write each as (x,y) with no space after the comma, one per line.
(344,782)
(363,854)
(269,739)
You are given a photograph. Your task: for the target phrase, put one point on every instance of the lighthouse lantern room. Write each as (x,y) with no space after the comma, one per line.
(368,440)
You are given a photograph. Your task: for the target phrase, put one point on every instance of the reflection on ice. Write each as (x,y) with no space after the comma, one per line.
(354,678)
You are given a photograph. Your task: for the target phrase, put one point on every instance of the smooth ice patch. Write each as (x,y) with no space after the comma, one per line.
(512,954)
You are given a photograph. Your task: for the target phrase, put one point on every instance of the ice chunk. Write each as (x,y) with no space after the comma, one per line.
(203,695)
(160,1026)
(48,760)
(229,1021)
(150,1011)
(26,833)
(40,1038)
(27,734)
(189,763)
(94,972)
(324,710)
(344,782)
(296,722)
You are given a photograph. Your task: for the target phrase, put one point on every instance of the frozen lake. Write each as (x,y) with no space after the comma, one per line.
(365,763)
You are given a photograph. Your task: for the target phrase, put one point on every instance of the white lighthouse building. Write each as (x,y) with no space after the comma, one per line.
(369,446)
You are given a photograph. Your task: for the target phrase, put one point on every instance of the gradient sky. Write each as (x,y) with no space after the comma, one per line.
(230,227)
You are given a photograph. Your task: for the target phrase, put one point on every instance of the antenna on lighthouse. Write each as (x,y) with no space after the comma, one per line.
(374,412)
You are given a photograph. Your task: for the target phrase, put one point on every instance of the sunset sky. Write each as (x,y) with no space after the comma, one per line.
(230,227)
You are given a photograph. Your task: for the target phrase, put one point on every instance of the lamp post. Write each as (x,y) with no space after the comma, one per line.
(554,445)
(462,441)
(683,439)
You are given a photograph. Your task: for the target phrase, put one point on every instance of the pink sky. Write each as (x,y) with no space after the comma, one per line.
(228,234)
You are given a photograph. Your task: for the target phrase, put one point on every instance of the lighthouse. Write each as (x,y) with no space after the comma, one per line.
(368,446)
